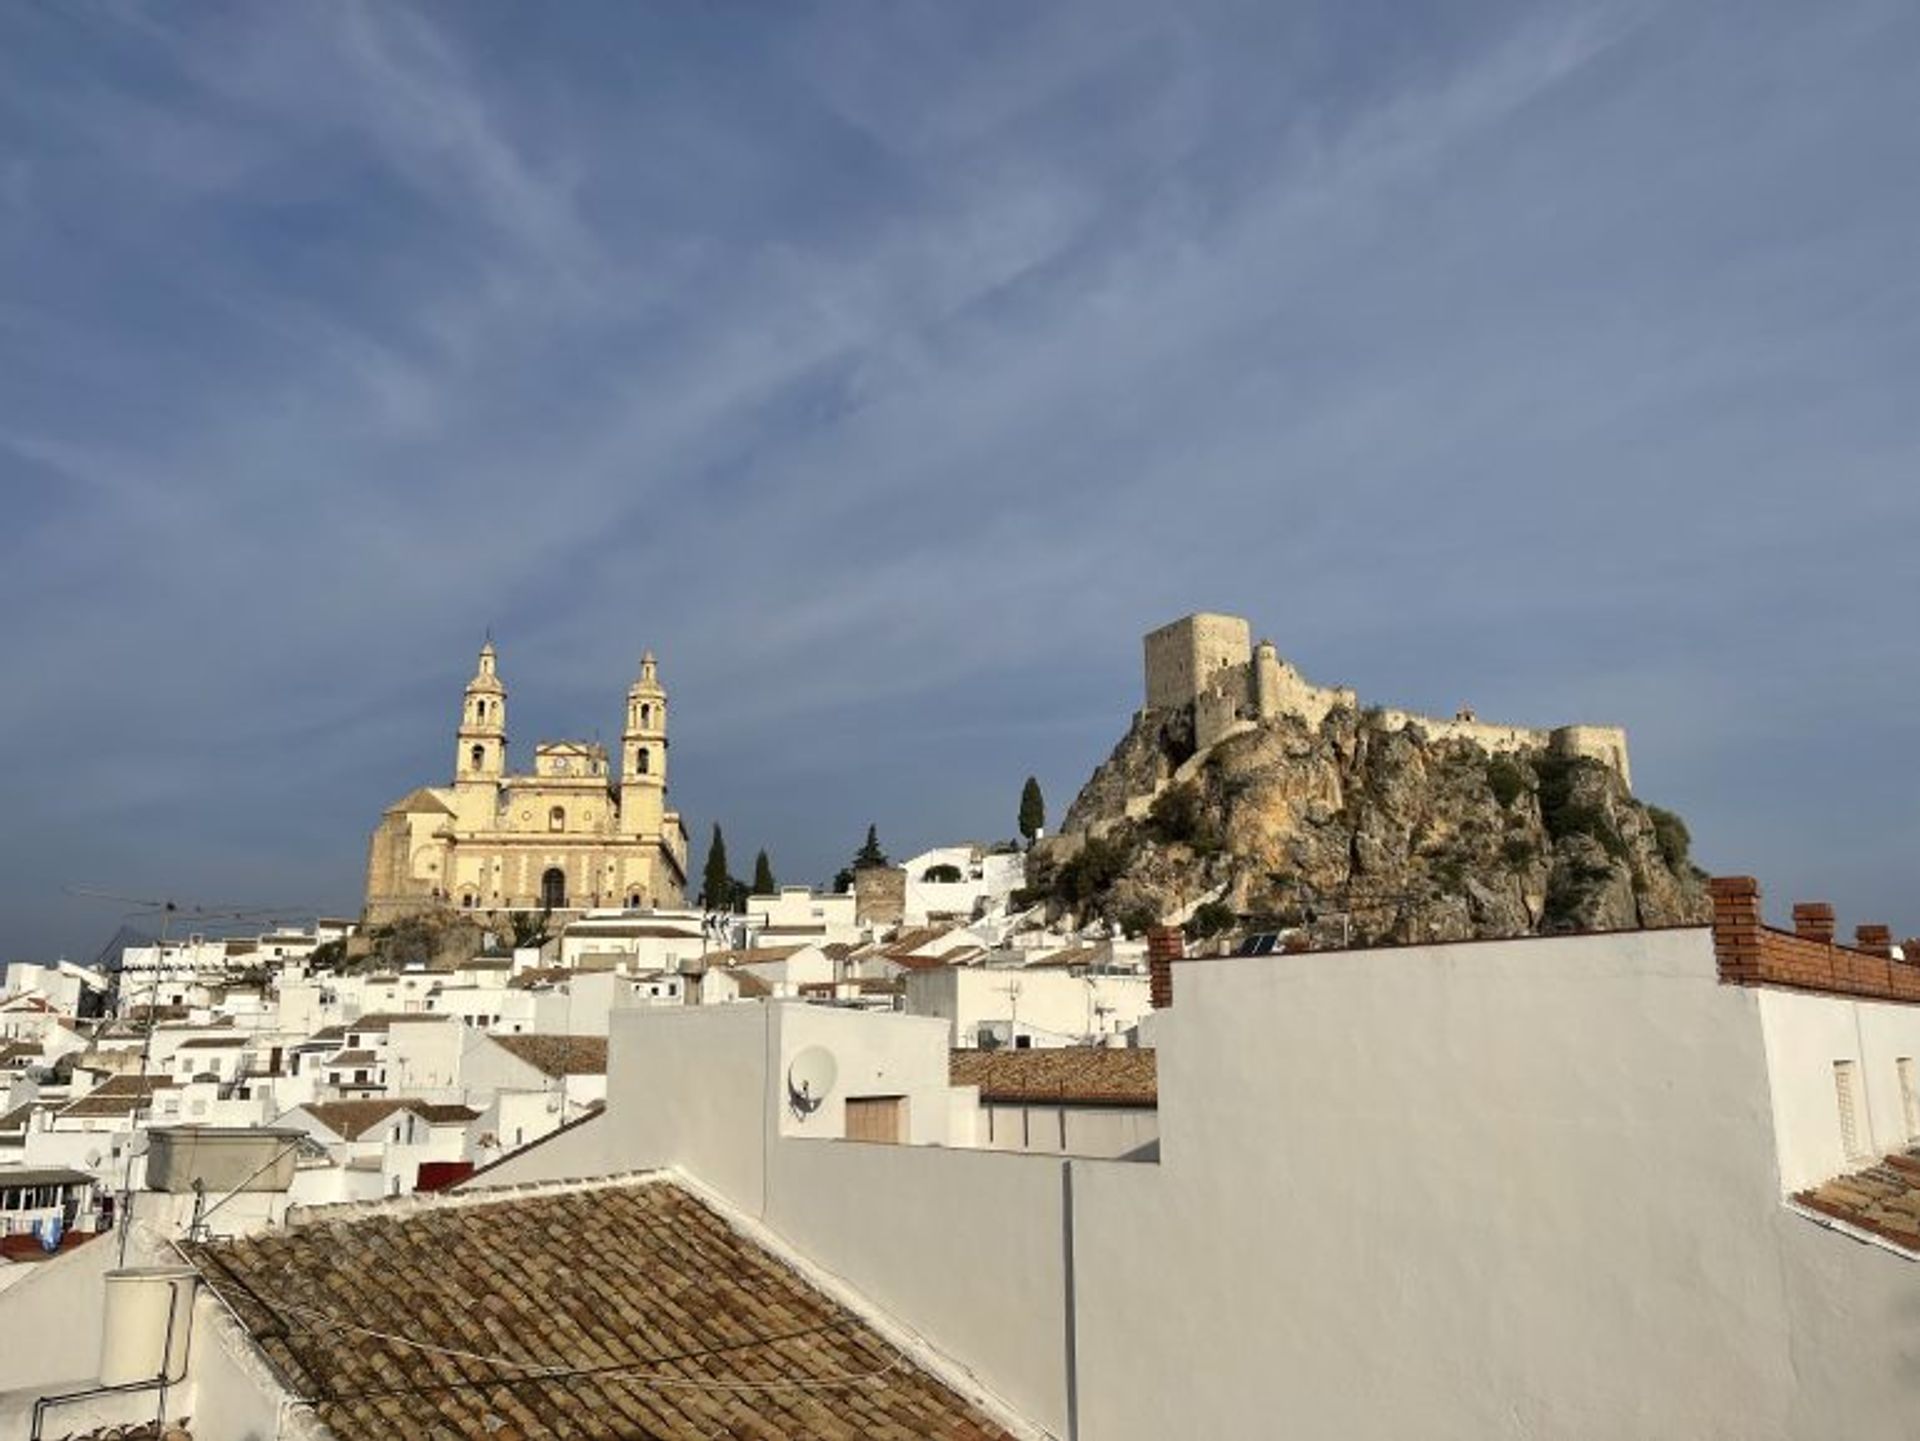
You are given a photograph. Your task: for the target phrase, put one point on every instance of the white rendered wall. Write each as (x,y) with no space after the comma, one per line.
(1055,1006)
(1098,1132)
(1500,1190)
(1805,1034)
(1491,1190)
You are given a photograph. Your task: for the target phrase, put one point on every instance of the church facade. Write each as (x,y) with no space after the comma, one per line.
(569,836)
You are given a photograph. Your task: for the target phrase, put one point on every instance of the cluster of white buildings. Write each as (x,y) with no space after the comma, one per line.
(390,1079)
(1659,1184)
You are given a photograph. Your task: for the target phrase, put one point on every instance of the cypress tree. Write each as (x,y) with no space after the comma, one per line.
(1033,810)
(870,853)
(763,882)
(716,886)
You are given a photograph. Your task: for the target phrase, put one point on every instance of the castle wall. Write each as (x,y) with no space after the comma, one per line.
(1204,660)
(1282,690)
(1183,657)
(1606,744)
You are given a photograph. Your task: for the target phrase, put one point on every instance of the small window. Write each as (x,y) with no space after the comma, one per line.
(557,819)
(478,756)
(646,715)
(642,761)
(1846,1089)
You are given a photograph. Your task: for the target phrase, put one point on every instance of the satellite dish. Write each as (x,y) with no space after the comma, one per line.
(93,1160)
(810,1076)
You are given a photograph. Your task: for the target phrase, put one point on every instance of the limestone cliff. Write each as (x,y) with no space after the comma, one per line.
(1363,832)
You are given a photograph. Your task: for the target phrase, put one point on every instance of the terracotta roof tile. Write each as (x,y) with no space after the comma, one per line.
(559,1055)
(439,1115)
(1080,1075)
(751,956)
(117,1097)
(1884,1199)
(603,1311)
(350,1120)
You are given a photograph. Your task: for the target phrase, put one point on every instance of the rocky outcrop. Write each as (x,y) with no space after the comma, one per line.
(1361,832)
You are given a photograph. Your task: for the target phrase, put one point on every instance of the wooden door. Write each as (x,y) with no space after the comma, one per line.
(877,1118)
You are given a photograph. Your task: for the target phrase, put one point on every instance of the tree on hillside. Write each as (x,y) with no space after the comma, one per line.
(716,884)
(763,882)
(1033,810)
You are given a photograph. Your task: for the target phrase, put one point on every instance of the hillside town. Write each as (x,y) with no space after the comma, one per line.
(412,1076)
(345,1178)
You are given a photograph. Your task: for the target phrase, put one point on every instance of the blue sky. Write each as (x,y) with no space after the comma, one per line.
(889,369)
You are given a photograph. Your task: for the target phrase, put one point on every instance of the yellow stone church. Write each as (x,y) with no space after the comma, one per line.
(567,837)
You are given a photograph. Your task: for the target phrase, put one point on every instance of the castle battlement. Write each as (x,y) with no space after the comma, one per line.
(1208,661)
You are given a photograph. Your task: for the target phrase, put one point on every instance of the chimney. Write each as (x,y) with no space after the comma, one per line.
(1874,940)
(1736,927)
(1813,921)
(1165,945)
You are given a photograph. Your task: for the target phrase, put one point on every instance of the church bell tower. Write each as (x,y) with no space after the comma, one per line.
(480,753)
(643,754)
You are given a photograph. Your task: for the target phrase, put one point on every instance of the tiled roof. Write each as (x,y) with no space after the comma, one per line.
(1062,960)
(421,800)
(438,1115)
(132,1431)
(350,1120)
(630,1310)
(353,1058)
(212,1043)
(43,1176)
(117,1097)
(750,986)
(559,1055)
(916,963)
(751,956)
(1883,1199)
(1081,1075)
(17,1118)
(914,939)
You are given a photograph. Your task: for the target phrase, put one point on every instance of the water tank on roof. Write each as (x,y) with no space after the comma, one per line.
(149,1317)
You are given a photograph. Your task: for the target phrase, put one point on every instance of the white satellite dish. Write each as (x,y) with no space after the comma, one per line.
(810,1076)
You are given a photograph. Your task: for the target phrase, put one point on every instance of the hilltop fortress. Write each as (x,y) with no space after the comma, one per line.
(1207,661)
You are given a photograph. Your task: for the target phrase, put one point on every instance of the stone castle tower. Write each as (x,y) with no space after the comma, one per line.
(1209,662)
(566,836)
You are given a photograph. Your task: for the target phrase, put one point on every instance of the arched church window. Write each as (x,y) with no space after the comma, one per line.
(478,755)
(646,715)
(557,819)
(645,761)
(553,889)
